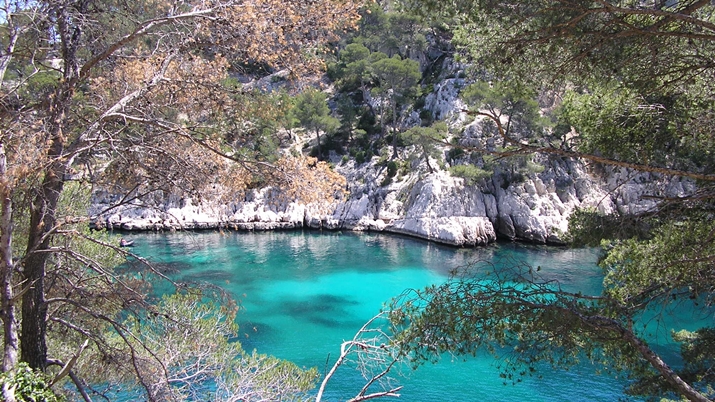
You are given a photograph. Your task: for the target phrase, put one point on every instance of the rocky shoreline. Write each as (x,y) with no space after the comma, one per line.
(434,206)
(419,201)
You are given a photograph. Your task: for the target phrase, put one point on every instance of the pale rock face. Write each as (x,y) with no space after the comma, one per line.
(437,208)
(457,231)
(440,195)
(445,103)
(353,209)
(639,193)
(256,212)
(391,207)
(434,206)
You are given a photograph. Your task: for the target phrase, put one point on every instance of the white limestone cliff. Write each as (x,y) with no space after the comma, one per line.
(433,206)
(429,205)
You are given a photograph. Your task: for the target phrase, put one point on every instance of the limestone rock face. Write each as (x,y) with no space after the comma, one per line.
(433,206)
(255,212)
(439,208)
(531,206)
(445,103)
(455,230)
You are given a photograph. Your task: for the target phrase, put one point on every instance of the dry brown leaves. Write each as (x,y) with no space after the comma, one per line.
(310,182)
(179,69)
(282,34)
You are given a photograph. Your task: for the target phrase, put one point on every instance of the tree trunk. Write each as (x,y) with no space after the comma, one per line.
(666,372)
(365,100)
(43,213)
(663,368)
(7,302)
(10,49)
(395,155)
(506,132)
(34,308)
(425,154)
(320,151)
(43,218)
(7,268)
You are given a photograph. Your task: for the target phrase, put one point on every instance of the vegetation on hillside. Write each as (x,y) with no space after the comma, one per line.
(635,89)
(151,98)
(143,98)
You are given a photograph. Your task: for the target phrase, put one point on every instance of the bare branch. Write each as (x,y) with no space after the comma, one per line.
(374,350)
(527,148)
(143,28)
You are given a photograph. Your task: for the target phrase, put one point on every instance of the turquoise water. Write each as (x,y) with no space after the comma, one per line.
(303,293)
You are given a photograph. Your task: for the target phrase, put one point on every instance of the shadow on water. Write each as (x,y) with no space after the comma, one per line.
(209,275)
(166,268)
(325,321)
(324,309)
(333,300)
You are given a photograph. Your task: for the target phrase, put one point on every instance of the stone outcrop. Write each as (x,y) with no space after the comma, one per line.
(433,206)
(530,206)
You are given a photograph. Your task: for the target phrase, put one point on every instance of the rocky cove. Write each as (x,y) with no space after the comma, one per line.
(425,203)
(435,207)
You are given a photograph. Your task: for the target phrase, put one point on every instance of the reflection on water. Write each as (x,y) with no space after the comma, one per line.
(303,293)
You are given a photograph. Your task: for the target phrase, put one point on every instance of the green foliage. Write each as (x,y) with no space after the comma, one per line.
(41,84)
(182,346)
(426,140)
(349,114)
(360,138)
(368,123)
(254,132)
(398,80)
(29,385)
(311,110)
(354,70)
(352,55)
(509,313)
(360,157)
(470,173)
(622,123)
(514,169)
(392,33)
(507,98)
(378,60)
(391,169)
(667,266)
(698,351)
(397,76)
(134,96)
(194,354)
(588,227)
(455,153)
(419,103)
(631,80)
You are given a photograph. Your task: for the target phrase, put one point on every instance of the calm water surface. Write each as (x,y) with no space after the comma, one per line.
(303,293)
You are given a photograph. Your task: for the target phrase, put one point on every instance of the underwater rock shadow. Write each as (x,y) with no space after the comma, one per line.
(166,268)
(323,309)
(211,275)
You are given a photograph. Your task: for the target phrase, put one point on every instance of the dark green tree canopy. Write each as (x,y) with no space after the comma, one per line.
(311,110)
(633,83)
(427,141)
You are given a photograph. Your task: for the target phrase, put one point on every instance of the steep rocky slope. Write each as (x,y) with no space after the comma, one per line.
(430,205)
